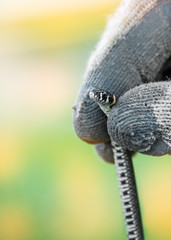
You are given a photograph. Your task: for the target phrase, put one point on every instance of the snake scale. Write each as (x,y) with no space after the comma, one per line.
(125,173)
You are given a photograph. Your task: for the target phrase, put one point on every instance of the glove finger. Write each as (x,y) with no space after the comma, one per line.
(104,150)
(133,50)
(141,119)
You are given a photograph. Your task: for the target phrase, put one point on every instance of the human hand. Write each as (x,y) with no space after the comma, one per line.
(134,50)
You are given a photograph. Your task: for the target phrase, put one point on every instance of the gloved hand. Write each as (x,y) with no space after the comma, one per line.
(133,62)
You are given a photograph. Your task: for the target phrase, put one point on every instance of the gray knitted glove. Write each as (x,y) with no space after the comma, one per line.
(134,50)
(141,120)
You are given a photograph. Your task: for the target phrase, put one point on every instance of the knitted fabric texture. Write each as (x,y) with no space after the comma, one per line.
(141,120)
(127,16)
(104,150)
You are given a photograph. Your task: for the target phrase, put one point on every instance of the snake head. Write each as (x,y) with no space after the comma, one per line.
(102,97)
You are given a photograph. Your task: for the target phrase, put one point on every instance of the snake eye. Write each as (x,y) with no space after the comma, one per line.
(104,96)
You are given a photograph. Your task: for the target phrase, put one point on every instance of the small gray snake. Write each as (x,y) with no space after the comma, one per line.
(125,173)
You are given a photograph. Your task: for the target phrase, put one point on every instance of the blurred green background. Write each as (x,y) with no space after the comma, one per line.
(52,185)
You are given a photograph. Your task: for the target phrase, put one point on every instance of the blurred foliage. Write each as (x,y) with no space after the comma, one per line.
(52,31)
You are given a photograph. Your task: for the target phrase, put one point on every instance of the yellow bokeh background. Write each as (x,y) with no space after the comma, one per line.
(52,185)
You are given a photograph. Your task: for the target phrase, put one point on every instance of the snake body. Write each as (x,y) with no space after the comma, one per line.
(125,173)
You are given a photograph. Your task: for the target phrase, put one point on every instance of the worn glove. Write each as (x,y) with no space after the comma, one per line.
(133,62)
